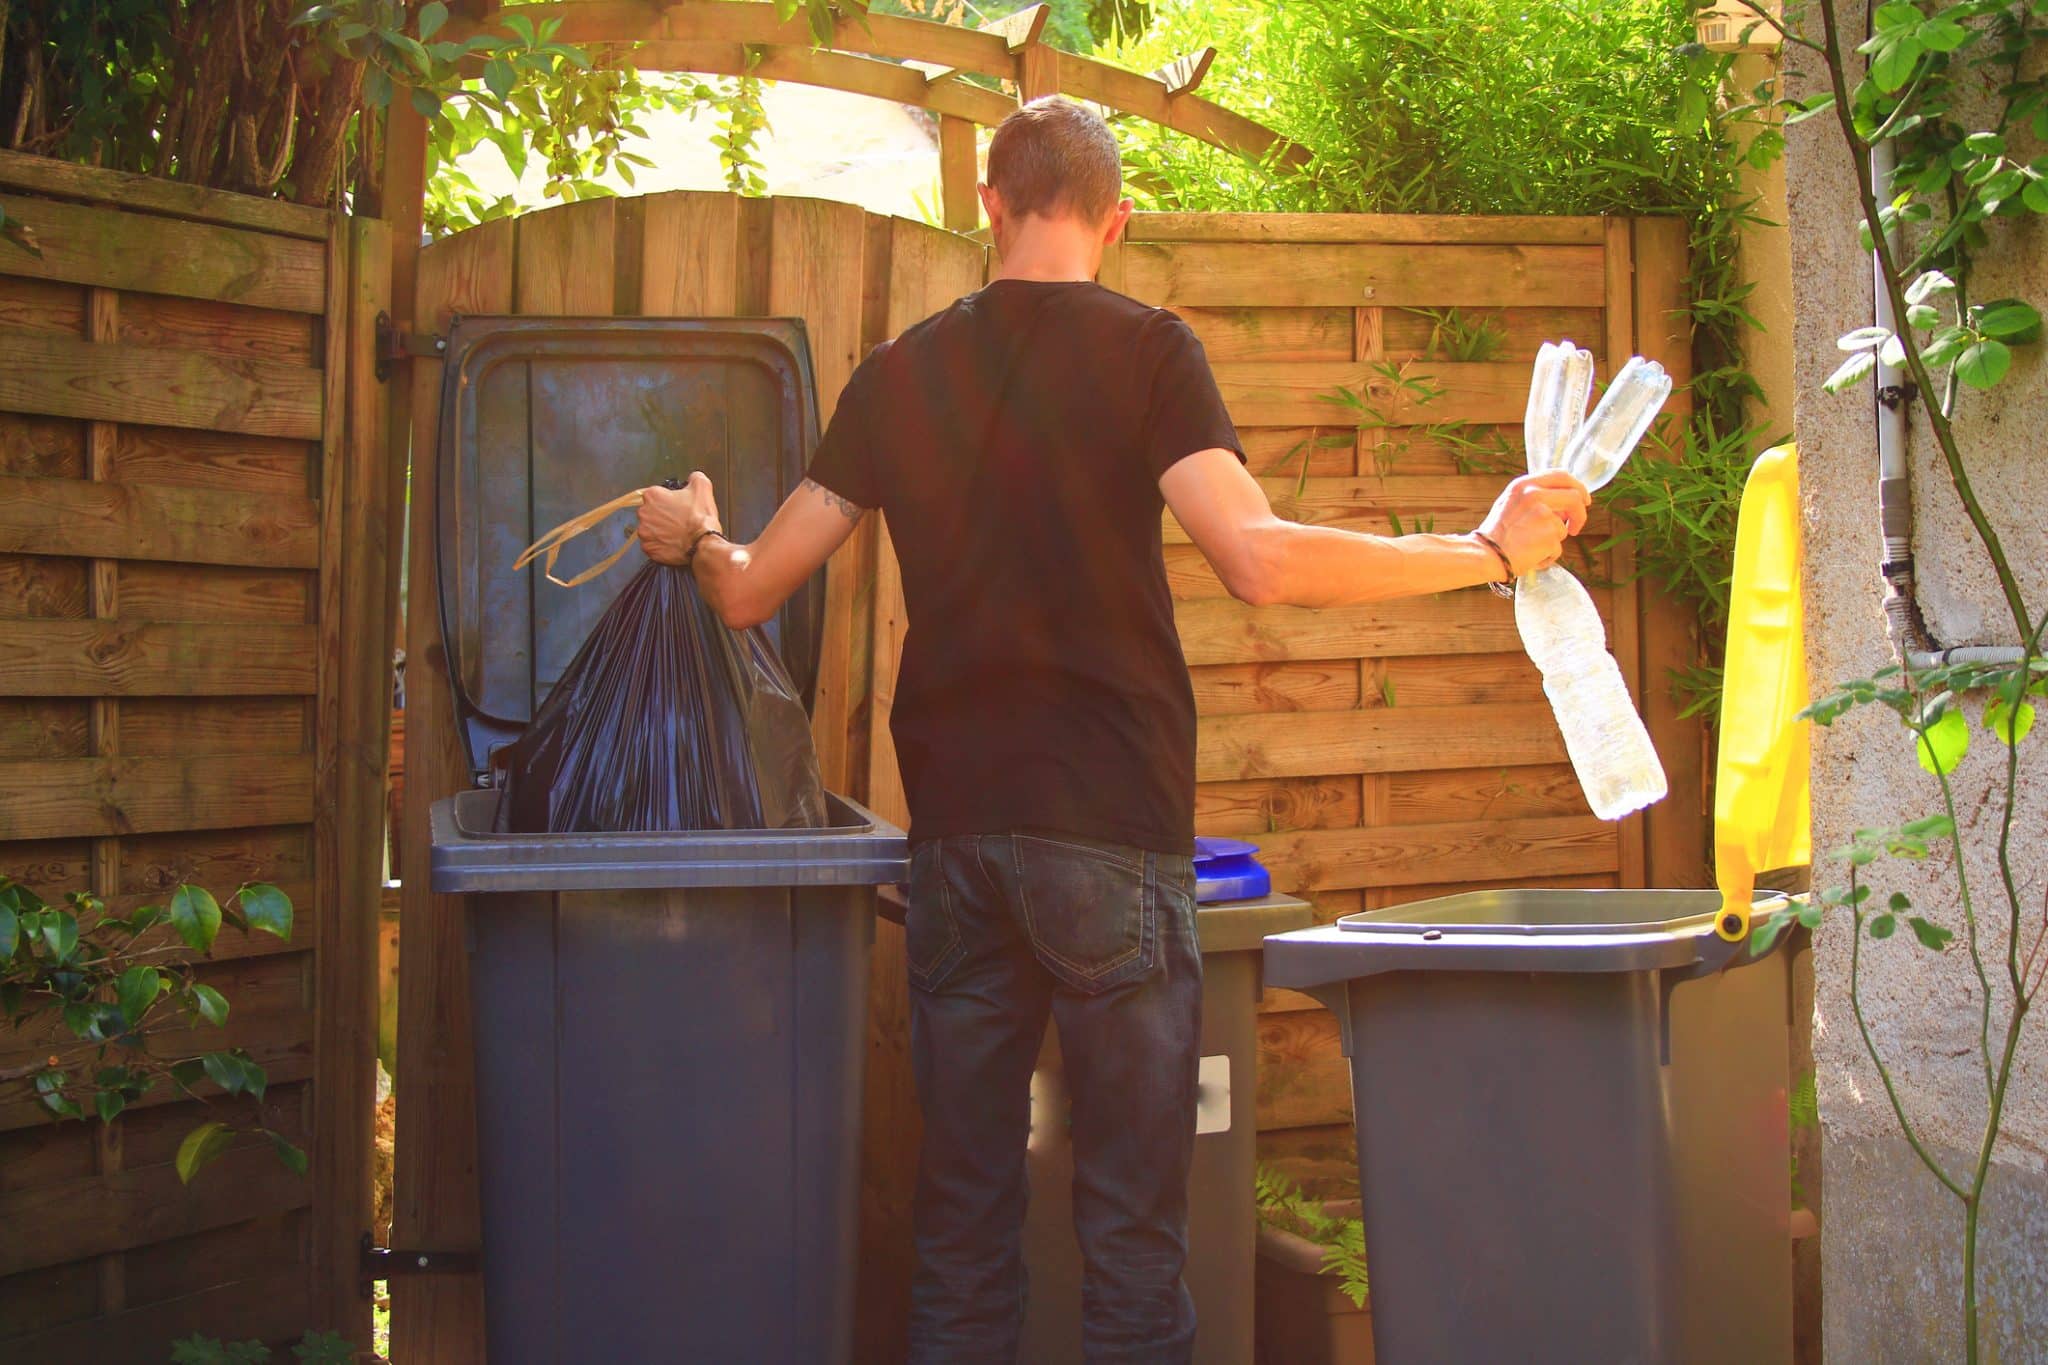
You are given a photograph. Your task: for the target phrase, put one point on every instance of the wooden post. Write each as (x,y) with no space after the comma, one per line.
(433,1317)
(959,174)
(1678,832)
(356,712)
(1618,343)
(1038,72)
(103,724)
(1369,346)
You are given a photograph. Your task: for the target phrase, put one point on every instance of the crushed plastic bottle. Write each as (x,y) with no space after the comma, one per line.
(1611,753)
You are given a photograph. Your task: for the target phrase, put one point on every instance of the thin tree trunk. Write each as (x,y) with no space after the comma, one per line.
(5,5)
(316,160)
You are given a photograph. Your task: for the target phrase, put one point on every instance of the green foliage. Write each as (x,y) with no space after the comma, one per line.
(1462,336)
(1076,25)
(1284,1206)
(115,984)
(1494,106)
(314,1348)
(539,102)
(1951,182)
(1443,106)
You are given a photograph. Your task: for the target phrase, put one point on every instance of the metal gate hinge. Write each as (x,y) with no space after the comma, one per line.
(386,1263)
(396,343)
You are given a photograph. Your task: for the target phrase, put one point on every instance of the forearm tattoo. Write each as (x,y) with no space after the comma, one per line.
(849,509)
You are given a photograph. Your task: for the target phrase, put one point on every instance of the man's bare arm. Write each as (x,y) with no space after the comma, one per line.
(1263,559)
(746,584)
(847,508)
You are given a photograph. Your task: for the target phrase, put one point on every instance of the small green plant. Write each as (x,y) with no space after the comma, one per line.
(1372,405)
(1803,1115)
(105,987)
(1463,338)
(1928,705)
(1676,506)
(314,1348)
(1283,1205)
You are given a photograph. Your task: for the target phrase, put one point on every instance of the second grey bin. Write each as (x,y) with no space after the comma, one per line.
(1572,1126)
(1222,1208)
(670,1027)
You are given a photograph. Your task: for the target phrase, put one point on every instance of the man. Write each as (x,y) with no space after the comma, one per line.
(1022,443)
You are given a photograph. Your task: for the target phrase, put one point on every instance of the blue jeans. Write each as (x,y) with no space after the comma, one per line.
(1005,930)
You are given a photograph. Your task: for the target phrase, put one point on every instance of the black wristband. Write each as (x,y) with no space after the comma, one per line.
(1501,587)
(690,555)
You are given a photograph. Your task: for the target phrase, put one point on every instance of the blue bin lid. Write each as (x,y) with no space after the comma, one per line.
(1229,870)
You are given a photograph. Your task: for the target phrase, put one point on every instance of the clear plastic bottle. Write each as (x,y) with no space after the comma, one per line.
(1610,750)
(1617,766)
(1598,448)
(1557,402)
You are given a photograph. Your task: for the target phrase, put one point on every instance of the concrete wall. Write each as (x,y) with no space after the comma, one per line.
(1766,264)
(1891,1240)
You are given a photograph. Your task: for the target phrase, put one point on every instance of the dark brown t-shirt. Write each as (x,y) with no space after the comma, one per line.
(1015,443)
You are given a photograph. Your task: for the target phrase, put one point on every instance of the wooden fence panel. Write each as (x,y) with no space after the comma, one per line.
(190,481)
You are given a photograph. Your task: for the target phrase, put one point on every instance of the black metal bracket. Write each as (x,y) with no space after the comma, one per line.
(1894,396)
(396,343)
(388,1263)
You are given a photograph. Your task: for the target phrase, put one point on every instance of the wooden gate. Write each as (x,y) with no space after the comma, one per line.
(194,681)
(855,279)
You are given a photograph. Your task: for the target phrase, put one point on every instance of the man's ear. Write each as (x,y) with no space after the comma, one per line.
(1119,218)
(992,205)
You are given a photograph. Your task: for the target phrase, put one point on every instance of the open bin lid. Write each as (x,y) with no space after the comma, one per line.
(544,418)
(1523,930)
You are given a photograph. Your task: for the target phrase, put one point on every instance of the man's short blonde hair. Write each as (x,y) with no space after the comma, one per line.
(1054,157)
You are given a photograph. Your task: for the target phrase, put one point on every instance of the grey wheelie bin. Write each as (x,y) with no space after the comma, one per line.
(1572,1126)
(1222,1212)
(669,1027)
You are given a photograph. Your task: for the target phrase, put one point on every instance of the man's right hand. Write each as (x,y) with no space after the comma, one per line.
(1534,516)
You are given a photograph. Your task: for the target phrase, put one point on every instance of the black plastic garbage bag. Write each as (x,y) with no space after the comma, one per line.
(665,720)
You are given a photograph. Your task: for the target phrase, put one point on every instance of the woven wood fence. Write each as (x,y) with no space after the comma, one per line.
(194,610)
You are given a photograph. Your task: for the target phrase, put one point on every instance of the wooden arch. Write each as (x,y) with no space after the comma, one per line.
(907,61)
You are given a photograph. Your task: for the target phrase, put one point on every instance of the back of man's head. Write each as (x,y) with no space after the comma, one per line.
(1053,157)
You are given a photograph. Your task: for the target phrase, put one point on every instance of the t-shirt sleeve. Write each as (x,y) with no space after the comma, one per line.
(1185,412)
(845,458)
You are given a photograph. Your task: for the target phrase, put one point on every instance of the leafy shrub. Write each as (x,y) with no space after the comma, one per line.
(113,983)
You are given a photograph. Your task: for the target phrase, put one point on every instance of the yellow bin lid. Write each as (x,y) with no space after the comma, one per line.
(1762,799)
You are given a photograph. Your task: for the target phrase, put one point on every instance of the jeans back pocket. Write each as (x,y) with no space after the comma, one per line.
(931,931)
(1091,909)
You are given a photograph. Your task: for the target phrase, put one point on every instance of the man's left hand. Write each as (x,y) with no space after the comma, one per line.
(672,519)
